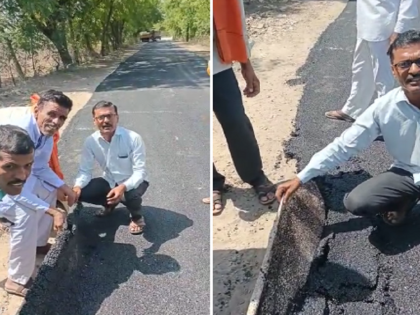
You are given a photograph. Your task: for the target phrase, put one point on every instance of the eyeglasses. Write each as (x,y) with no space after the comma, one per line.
(103,117)
(406,64)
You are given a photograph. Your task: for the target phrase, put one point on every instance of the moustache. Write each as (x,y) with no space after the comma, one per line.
(413,78)
(106,125)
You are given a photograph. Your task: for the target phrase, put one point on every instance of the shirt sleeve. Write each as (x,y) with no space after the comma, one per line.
(408,14)
(139,165)
(42,169)
(28,200)
(353,140)
(87,162)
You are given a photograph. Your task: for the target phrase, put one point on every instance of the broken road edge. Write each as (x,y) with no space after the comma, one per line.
(292,246)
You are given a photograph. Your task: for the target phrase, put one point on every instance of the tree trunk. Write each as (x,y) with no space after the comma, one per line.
(75,43)
(12,54)
(104,41)
(89,46)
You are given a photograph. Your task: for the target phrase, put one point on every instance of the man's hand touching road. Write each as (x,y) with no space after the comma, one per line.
(252,83)
(287,189)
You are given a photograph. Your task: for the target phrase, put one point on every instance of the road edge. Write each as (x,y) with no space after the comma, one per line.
(294,240)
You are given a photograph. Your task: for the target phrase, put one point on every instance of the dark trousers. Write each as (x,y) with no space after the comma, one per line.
(229,110)
(98,188)
(393,190)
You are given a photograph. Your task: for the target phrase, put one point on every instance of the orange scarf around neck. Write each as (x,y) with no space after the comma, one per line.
(228,29)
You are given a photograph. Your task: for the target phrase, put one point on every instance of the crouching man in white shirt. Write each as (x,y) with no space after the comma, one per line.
(396,115)
(28,209)
(121,155)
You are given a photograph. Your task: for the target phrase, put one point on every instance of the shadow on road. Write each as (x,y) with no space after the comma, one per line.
(91,259)
(158,65)
(234,276)
(392,241)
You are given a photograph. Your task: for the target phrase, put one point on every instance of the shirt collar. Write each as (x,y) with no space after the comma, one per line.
(401,97)
(118,132)
(36,128)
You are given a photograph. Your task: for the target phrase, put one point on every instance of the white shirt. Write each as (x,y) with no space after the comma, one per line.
(123,160)
(390,115)
(41,169)
(218,66)
(378,19)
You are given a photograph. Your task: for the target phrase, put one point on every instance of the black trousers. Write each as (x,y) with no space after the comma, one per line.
(393,190)
(98,188)
(230,112)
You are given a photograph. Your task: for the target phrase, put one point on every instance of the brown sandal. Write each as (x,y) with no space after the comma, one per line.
(15,288)
(339,115)
(137,227)
(217,202)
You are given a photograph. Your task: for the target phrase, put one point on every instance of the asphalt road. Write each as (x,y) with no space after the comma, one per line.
(162,92)
(363,267)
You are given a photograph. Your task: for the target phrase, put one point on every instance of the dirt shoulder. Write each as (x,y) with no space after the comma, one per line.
(283,32)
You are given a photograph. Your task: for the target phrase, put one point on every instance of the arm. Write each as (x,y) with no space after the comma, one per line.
(139,164)
(42,168)
(353,140)
(87,161)
(408,14)
(28,200)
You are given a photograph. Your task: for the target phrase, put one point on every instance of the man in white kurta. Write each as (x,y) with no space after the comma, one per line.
(33,211)
(378,22)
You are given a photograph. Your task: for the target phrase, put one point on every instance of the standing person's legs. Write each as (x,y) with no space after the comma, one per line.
(362,87)
(45,221)
(382,72)
(392,194)
(229,110)
(95,193)
(133,201)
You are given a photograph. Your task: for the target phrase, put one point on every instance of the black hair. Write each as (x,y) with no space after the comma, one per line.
(57,97)
(15,140)
(403,40)
(104,104)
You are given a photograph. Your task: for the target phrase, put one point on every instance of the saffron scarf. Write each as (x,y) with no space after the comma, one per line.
(228,31)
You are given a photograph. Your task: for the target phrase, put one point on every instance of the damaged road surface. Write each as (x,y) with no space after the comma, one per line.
(162,92)
(362,267)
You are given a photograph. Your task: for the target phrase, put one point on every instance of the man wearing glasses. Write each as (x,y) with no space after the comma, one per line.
(393,193)
(121,155)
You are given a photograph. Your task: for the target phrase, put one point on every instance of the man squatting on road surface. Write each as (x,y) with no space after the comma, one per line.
(378,23)
(31,187)
(231,44)
(396,115)
(121,154)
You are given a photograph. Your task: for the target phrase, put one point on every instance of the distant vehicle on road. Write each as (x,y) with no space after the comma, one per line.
(148,36)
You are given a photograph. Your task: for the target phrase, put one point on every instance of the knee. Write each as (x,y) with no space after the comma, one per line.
(356,205)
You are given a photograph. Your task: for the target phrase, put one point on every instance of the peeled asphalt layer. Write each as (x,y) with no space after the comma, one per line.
(162,92)
(362,266)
